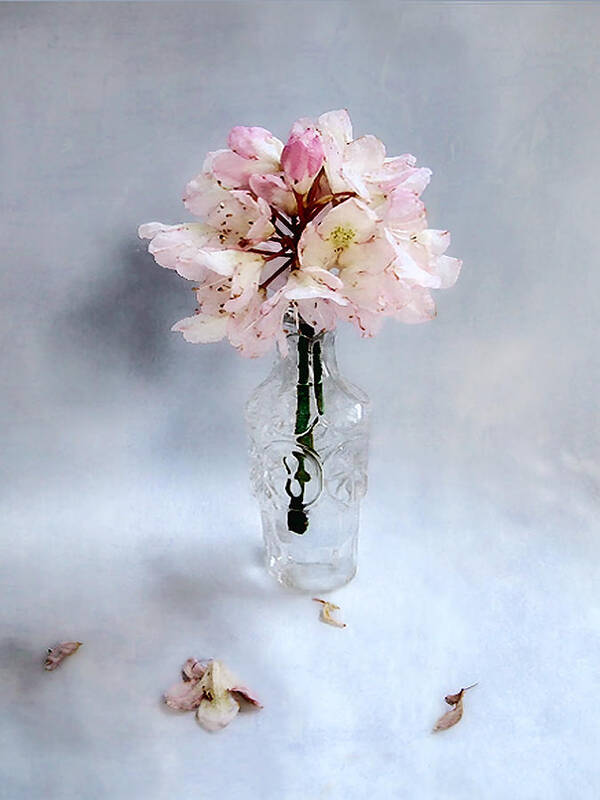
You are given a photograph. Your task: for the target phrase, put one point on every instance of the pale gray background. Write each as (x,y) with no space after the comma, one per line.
(126,516)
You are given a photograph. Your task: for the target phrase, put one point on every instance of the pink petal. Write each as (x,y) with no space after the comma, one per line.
(255,143)
(234,171)
(185,696)
(302,157)
(275,191)
(247,695)
(193,669)
(58,654)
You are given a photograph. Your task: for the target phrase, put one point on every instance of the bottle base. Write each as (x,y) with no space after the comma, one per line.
(312,577)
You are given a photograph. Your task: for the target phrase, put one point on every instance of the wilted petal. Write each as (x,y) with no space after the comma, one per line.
(217,713)
(57,655)
(327,611)
(218,707)
(255,143)
(245,693)
(193,669)
(185,695)
(201,328)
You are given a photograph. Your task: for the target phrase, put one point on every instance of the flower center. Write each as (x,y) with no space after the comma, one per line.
(341,237)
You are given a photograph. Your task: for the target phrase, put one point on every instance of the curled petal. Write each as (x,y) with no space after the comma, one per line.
(193,669)
(201,328)
(185,695)
(57,655)
(217,713)
(245,694)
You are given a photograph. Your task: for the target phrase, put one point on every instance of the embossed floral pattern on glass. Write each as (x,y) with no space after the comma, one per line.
(308,448)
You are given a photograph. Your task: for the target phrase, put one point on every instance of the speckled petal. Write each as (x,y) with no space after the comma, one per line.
(201,328)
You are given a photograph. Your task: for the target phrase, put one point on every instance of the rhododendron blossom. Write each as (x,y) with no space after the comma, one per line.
(325,226)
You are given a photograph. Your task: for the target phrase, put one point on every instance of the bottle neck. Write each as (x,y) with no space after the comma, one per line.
(320,348)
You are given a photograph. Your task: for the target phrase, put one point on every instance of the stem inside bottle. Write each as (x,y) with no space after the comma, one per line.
(309,381)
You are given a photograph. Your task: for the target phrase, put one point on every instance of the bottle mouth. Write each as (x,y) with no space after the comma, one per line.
(295,327)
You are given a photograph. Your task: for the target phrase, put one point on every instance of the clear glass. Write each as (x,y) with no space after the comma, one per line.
(308,448)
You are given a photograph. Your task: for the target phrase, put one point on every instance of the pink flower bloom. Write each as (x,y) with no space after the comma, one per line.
(302,156)
(328,226)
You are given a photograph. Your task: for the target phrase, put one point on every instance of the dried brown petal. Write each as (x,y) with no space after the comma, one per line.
(450,718)
(453,716)
(58,654)
(326,613)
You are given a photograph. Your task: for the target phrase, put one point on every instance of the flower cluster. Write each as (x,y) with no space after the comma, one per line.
(326,225)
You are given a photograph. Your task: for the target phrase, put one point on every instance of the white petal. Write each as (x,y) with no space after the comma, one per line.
(338,125)
(437,242)
(365,154)
(216,714)
(313,250)
(201,329)
(352,214)
(448,270)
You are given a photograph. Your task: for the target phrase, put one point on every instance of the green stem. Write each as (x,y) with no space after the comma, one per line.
(309,366)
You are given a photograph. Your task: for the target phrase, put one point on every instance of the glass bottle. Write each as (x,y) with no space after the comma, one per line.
(308,448)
